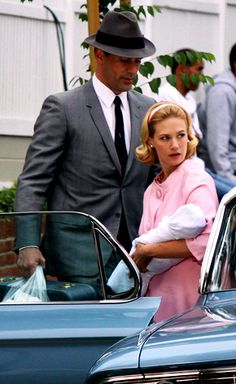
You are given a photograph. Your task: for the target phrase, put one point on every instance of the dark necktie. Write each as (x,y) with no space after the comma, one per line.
(119,135)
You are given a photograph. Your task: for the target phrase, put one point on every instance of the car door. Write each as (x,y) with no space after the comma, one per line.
(58,341)
(218,268)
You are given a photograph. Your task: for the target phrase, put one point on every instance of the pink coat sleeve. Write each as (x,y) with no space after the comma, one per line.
(205,197)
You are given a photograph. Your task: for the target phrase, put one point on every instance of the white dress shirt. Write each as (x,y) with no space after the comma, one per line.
(106,98)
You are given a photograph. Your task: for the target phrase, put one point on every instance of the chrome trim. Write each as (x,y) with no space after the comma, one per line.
(199,376)
(131,264)
(137,378)
(180,375)
(194,376)
(145,333)
(213,239)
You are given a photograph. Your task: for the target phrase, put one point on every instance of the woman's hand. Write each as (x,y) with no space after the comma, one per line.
(139,257)
(168,249)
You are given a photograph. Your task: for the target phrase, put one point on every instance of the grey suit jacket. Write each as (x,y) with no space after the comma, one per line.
(73,165)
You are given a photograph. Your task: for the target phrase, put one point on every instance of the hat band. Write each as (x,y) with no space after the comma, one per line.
(120,42)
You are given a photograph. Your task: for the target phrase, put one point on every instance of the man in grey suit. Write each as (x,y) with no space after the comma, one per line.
(72,162)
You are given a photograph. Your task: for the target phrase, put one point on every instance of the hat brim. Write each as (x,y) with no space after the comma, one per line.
(148,50)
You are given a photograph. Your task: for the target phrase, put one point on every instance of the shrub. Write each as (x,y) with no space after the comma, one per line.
(7,198)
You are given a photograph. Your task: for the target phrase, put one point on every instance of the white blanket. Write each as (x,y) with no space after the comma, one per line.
(187,222)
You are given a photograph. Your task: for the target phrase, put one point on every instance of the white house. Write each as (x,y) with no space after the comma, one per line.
(30,65)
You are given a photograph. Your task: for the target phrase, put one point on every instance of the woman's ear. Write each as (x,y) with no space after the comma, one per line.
(150,142)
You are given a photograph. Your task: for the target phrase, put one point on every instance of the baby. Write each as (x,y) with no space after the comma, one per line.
(187,222)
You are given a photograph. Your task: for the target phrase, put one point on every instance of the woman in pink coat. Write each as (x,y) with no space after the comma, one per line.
(167,140)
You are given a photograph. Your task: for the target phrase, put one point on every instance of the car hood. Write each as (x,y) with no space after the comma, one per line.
(201,335)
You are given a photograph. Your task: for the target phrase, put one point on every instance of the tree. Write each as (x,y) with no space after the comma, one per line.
(147,68)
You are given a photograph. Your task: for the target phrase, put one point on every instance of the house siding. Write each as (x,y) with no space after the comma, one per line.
(30,61)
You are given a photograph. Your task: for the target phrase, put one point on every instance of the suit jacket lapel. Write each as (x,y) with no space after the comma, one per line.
(135,129)
(100,122)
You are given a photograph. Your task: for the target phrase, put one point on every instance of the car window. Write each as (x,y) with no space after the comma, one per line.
(222,272)
(80,254)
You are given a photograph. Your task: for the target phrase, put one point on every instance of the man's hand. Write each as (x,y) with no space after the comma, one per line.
(28,260)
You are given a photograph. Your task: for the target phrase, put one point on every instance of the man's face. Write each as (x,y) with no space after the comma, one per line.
(197,69)
(116,72)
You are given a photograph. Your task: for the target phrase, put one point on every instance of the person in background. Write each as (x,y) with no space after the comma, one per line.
(168,140)
(181,94)
(73,163)
(217,115)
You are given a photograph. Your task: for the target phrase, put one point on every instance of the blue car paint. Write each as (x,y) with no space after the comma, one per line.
(199,336)
(60,342)
(202,335)
(197,344)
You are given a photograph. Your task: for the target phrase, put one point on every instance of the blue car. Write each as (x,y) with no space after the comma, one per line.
(198,346)
(58,339)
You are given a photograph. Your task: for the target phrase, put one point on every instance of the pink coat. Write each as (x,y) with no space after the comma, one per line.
(187,184)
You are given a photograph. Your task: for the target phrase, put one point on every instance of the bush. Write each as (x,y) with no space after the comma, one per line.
(7,198)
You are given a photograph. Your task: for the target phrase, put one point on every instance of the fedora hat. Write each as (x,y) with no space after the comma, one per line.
(120,35)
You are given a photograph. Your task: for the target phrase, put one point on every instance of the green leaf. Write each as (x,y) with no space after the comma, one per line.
(150,10)
(83,6)
(83,16)
(202,79)
(208,56)
(146,69)
(195,78)
(135,80)
(171,80)
(162,60)
(210,80)
(192,57)
(199,56)
(155,84)
(185,79)
(141,11)
(165,60)
(180,58)
(157,9)
(77,79)
(169,60)
(138,89)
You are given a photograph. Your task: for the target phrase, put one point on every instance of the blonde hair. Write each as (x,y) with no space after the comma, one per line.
(157,113)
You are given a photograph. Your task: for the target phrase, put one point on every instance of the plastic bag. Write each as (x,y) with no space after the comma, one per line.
(31,290)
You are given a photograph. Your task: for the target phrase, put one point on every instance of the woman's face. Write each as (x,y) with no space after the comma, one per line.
(170,141)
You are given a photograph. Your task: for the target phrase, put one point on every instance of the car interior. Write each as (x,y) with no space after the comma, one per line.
(80,255)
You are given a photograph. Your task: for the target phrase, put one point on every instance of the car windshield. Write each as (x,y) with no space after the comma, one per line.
(219,268)
(80,255)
